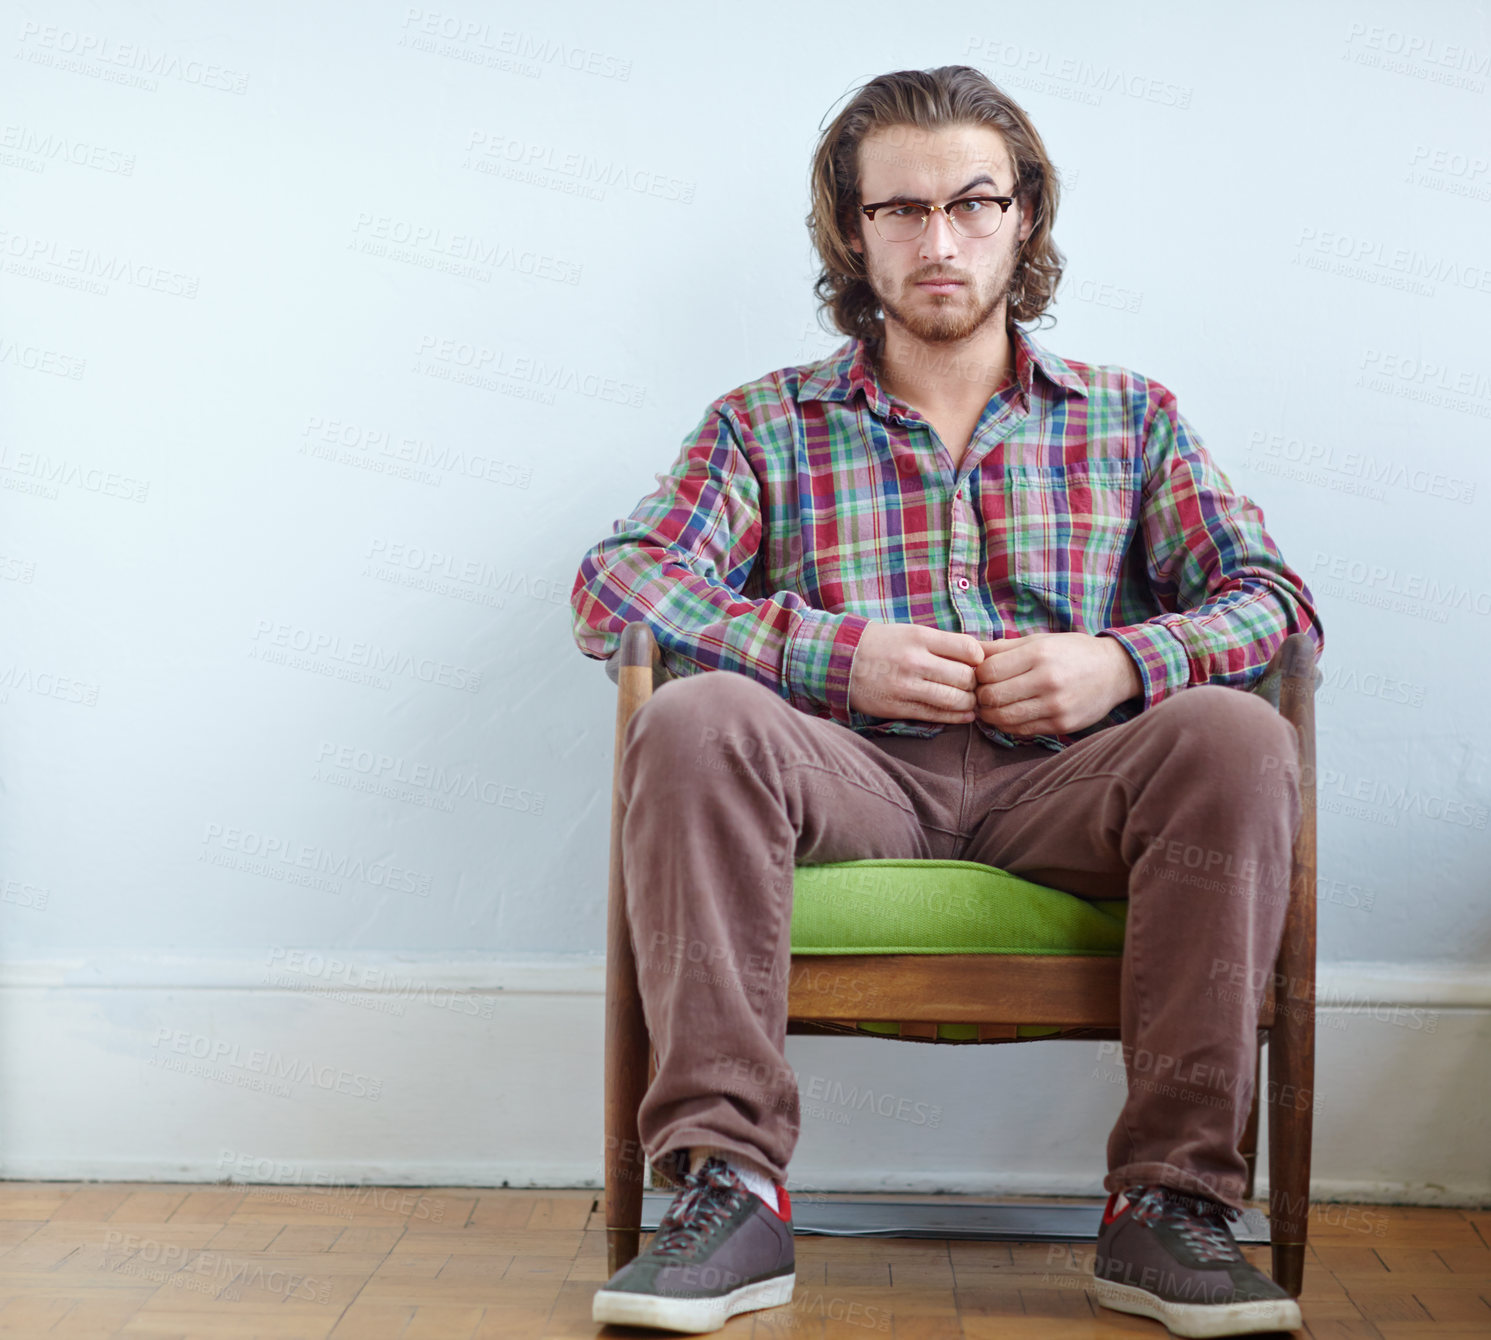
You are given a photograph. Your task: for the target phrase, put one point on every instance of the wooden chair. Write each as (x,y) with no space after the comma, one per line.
(923,990)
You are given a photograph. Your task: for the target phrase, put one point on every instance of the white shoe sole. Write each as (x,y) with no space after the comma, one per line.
(1200,1321)
(690,1315)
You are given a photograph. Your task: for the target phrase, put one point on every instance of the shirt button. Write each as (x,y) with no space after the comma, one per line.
(963,583)
(908,466)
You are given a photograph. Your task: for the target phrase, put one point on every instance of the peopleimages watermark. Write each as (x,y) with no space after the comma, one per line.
(282,857)
(1072,77)
(1356,471)
(429,246)
(1074,1261)
(341,978)
(460,361)
(1101,294)
(477,42)
(1340,789)
(263,1069)
(88,270)
(711,964)
(1200,1083)
(381,452)
(93,53)
(1451,171)
(570,171)
(747,755)
(384,774)
(1356,256)
(209,1272)
(1429,381)
(20,893)
(356,659)
(19,142)
(1299,996)
(37,358)
(1421,56)
(17,678)
(291,1184)
(1219,869)
(822,1096)
(439,572)
(1370,684)
(845,1311)
(42,473)
(1413,593)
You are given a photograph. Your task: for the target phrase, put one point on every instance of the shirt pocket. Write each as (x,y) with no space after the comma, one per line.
(1070,531)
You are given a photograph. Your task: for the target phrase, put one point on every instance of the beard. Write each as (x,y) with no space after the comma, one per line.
(939,319)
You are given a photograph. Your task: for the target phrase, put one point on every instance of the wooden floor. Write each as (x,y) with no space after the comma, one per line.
(136,1259)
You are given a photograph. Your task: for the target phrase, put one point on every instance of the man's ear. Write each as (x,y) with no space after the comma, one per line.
(1027,219)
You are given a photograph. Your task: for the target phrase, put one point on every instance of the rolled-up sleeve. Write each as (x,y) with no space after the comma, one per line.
(680,562)
(1229,597)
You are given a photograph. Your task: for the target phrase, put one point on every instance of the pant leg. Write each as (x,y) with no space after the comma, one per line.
(1190,811)
(727,787)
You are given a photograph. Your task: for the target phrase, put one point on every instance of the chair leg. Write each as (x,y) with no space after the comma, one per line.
(1291,1101)
(1248,1145)
(1291,1041)
(626,1060)
(1289,1267)
(626,1055)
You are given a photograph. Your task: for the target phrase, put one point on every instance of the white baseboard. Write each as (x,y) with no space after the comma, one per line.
(392,1069)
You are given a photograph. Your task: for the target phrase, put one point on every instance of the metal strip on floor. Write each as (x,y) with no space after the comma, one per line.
(990,1221)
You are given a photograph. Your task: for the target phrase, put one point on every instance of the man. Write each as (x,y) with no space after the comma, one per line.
(980,603)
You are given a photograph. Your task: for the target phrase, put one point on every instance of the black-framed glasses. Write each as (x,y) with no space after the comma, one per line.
(970,215)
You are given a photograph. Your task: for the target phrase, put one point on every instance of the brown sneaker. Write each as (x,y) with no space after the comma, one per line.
(1171,1256)
(719,1249)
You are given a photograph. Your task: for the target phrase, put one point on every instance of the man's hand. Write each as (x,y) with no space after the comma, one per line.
(1053,683)
(912,672)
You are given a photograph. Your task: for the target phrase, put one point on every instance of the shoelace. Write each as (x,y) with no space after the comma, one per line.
(1201,1223)
(710,1196)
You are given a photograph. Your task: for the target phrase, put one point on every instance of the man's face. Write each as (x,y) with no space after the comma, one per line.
(934,167)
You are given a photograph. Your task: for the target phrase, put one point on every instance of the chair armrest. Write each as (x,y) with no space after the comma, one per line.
(638,647)
(1294,658)
(628,668)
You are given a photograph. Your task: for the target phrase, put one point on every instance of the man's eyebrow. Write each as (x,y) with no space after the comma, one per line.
(963,190)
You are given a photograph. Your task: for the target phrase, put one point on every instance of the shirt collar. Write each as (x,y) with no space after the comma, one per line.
(849,369)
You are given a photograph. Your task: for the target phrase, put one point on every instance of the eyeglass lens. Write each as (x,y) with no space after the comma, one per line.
(972,218)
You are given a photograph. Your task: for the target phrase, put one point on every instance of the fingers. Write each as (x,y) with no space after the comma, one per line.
(962,647)
(1017,701)
(1007,667)
(944,701)
(1010,657)
(1007,694)
(953,704)
(1020,719)
(1032,714)
(956,675)
(947,718)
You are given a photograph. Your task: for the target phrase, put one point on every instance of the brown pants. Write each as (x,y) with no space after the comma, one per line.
(1189,810)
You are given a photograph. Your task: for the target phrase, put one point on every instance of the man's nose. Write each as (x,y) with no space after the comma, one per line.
(939,238)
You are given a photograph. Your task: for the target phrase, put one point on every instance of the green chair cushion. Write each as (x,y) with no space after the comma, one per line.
(945,907)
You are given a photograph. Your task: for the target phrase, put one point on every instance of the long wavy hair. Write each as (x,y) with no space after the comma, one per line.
(949,95)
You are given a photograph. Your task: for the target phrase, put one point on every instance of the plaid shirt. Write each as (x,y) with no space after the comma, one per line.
(808,502)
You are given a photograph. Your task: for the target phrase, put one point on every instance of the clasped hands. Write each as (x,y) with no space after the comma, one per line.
(1040,683)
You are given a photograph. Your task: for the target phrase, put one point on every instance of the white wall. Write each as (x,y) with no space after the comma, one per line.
(318,352)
